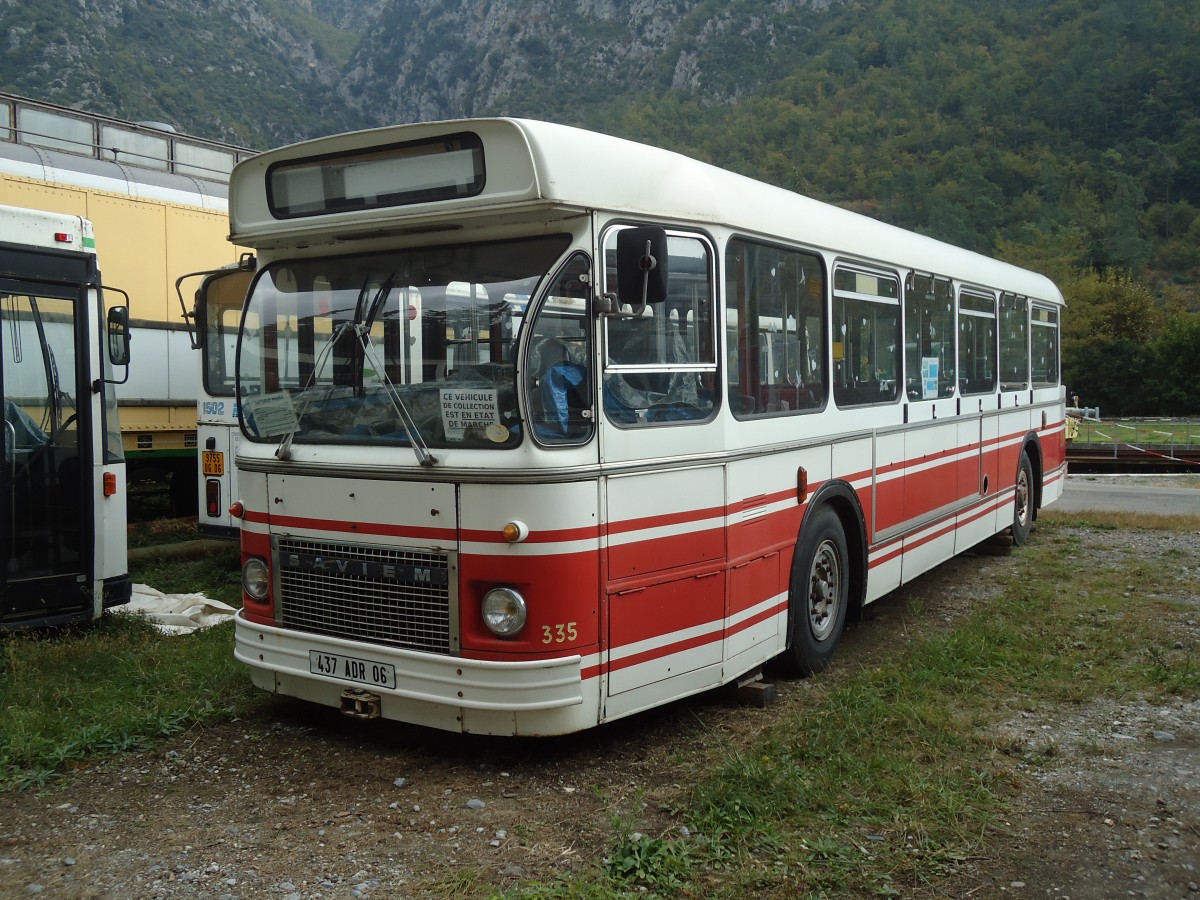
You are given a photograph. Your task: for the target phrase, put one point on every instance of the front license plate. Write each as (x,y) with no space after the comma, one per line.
(214,462)
(352,668)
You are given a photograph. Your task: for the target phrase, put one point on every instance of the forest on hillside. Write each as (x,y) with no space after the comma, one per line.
(1063,135)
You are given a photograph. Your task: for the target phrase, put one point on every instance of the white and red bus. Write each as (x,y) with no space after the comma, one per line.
(542,427)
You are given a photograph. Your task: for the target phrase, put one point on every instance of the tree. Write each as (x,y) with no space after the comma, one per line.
(1111,322)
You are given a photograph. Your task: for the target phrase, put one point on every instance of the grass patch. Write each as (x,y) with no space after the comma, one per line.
(1178,432)
(119,684)
(888,777)
(872,781)
(210,567)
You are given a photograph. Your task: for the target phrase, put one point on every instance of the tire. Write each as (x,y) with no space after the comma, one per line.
(820,593)
(1023,501)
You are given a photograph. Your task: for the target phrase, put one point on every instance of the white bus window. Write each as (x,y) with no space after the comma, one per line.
(1014,342)
(977,343)
(775,321)
(558,379)
(929,338)
(866,337)
(660,364)
(1044,342)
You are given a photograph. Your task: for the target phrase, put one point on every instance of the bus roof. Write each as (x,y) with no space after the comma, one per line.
(51,230)
(545,167)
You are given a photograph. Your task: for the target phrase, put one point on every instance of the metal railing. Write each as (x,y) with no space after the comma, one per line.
(148,145)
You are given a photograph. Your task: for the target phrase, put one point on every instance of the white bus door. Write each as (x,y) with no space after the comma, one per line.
(665,520)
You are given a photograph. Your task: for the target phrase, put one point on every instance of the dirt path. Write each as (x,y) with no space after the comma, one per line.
(303,804)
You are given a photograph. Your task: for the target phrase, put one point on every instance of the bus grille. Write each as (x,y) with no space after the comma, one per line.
(381,595)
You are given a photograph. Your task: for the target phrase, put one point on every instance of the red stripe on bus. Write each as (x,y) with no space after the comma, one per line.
(665,520)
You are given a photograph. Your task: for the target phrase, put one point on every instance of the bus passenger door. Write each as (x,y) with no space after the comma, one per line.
(665,514)
(47,544)
(977,476)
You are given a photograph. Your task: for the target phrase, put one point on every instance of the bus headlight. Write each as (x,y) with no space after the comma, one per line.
(256,578)
(504,611)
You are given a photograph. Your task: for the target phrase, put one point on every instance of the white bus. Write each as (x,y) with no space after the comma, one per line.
(668,423)
(216,315)
(62,486)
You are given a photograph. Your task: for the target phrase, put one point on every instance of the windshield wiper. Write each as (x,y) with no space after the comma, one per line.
(364,318)
(415,439)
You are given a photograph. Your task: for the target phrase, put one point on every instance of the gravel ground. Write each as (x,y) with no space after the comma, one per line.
(301,803)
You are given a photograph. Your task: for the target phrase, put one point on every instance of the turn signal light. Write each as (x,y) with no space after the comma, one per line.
(236,509)
(110,484)
(515,532)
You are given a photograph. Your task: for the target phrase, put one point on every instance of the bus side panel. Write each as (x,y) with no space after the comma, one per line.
(223,437)
(1014,423)
(933,458)
(853,461)
(978,522)
(932,490)
(112,543)
(666,582)
(665,520)
(764,518)
(38,195)
(889,507)
(1053,439)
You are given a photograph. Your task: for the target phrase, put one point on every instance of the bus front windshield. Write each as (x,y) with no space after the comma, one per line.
(410,347)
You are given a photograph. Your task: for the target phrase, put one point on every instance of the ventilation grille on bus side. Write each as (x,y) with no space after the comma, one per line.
(380,595)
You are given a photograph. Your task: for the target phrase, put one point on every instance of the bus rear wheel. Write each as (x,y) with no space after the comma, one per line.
(820,592)
(1024,502)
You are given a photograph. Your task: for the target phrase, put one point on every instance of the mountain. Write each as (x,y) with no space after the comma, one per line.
(251,72)
(1061,133)
(1064,129)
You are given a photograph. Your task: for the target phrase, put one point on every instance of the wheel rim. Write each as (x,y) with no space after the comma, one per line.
(824,590)
(1022,496)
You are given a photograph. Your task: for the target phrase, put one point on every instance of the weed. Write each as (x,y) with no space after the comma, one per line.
(660,865)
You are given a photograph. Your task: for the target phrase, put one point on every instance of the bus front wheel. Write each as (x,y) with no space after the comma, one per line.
(820,592)
(1024,501)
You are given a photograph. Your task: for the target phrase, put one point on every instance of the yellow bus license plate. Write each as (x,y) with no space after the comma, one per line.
(214,462)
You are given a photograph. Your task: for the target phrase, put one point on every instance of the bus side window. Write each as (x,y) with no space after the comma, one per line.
(866,337)
(1014,342)
(977,343)
(775,318)
(659,365)
(929,337)
(1044,341)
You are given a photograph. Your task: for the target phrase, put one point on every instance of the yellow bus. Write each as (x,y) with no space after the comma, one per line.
(157,200)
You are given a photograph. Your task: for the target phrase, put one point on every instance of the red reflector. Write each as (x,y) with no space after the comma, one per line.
(110,484)
(801,484)
(63,237)
(212,497)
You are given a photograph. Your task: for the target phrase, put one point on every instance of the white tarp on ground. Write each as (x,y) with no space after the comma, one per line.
(177,613)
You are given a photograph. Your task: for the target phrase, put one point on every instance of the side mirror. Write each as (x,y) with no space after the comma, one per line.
(642,266)
(118,335)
